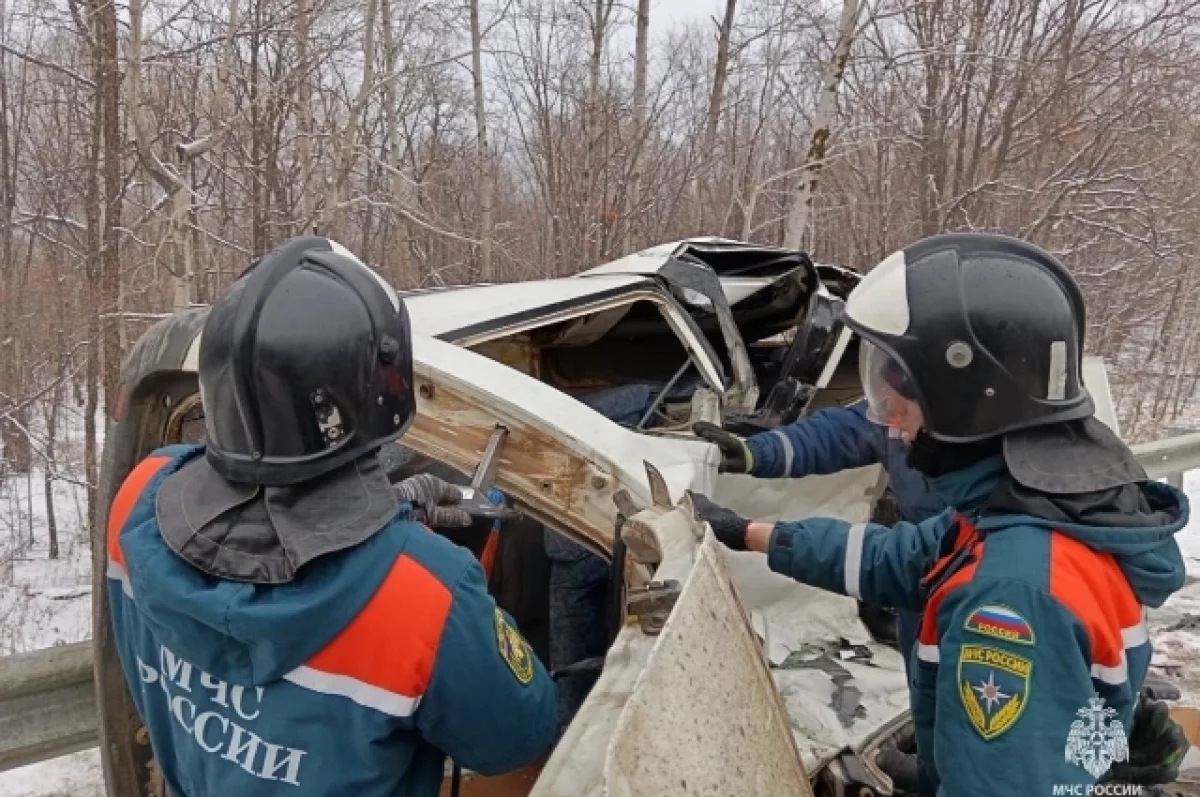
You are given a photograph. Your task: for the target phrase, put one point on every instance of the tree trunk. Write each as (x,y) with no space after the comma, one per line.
(305,114)
(51,467)
(754,166)
(801,212)
(393,153)
(260,198)
(713,116)
(181,204)
(720,71)
(16,443)
(591,213)
(108,87)
(94,237)
(347,141)
(640,57)
(486,177)
(168,180)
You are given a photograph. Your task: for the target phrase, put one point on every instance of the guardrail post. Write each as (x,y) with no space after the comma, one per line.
(1176,479)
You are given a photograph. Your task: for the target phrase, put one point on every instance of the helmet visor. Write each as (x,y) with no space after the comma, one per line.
(891,395)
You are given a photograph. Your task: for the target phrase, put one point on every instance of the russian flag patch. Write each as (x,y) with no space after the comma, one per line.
(1000,622)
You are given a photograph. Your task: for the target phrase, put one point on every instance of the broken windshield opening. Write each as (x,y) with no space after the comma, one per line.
(625,362)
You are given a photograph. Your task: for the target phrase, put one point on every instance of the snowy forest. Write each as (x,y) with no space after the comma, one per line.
(149,149)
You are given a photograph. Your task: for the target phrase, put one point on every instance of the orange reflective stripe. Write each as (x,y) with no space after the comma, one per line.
(929,630)
(127,498)
(393,642)
(488,557)
(964,534)
(1092,587)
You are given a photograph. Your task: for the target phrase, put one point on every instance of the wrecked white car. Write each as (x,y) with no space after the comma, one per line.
(713,659)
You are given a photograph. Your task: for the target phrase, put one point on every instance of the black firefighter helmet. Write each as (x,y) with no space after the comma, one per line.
(305,366)
(984,332)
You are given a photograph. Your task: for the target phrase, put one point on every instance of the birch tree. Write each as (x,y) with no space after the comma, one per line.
(822,126)
(483,154)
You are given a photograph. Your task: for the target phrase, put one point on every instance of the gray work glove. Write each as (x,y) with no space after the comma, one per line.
(1156,747)
(728,526)
(433,501)
(735,455)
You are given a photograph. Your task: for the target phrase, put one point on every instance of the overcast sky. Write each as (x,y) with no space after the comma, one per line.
(666,11)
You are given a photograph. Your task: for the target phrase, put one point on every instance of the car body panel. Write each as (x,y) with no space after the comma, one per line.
(728,258)
(706,664)
(831,703)
(455,314)
(562,461)
(691,710)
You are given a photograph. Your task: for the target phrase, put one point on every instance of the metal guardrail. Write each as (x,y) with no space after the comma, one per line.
(47,704)
(47,698)
(1169,457)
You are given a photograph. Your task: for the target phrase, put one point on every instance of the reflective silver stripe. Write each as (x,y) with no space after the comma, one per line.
(788,453)
(360,692)
(1112,675)
(928,653)
(853,565)
(1134,636)
(117,573)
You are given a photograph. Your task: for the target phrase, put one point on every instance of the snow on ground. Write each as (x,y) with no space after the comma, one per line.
(1175,628)
(45,602)
(77,775)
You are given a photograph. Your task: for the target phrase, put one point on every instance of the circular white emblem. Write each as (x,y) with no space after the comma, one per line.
(959,354)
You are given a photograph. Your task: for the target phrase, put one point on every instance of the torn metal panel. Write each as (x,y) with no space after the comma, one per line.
(705,717)
(829,711)
(576,768)
(743,394)
(846,495)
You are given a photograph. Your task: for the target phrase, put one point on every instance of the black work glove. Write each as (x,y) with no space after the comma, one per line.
(728,526)
(1156,746)
(735,455)
(433,501)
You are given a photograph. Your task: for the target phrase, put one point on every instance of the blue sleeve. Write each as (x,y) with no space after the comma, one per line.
(490,704)
(882,565)
(1009,703)
(829,441)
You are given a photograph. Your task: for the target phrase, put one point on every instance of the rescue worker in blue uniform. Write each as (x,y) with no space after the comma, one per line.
(1033,587)
(285,622)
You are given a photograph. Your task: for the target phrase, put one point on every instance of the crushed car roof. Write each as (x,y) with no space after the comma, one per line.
(441,313)
(742,269)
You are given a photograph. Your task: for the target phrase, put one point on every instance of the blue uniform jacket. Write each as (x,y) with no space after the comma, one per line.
(1033,646)
(837,439)
(356,678)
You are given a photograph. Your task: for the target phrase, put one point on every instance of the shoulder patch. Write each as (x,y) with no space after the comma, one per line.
(514,650)
(1000,622)
(993,685)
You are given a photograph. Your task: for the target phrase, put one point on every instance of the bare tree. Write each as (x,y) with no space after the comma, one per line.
(822,125)
(146,159)
(486,179)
